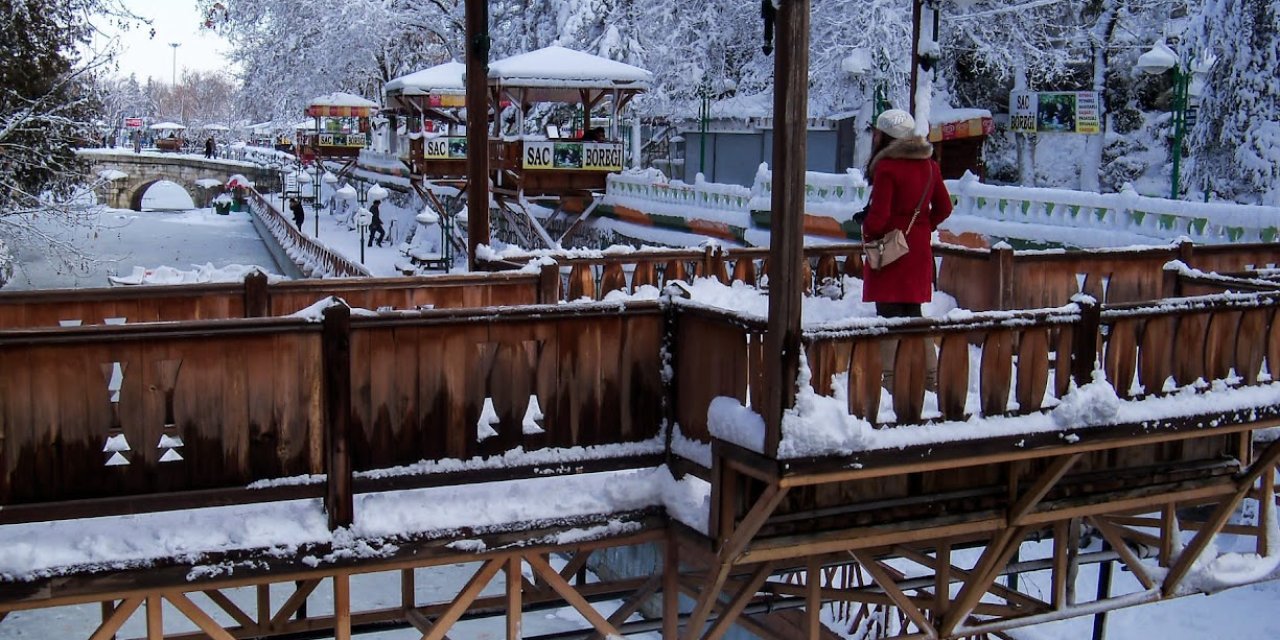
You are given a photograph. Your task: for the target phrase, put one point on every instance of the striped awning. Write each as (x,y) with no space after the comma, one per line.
(331,111)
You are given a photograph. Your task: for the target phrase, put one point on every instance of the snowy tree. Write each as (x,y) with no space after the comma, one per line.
(1236,142)
(47,107)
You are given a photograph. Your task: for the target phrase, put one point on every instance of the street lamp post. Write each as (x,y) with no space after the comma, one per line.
(173,78)
(1188,80)
(304,178)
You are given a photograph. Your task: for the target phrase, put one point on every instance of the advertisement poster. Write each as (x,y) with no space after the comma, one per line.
(1055,112)
(133,123)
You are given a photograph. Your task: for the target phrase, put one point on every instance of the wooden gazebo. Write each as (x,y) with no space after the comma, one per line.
(558,162)
(429,100)
(341,126)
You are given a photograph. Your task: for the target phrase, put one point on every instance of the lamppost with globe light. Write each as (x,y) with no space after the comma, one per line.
(1188,84)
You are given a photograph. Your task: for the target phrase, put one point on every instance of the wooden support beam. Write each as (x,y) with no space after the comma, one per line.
(477,102)
(575,564)
(155,618)
(336,357)
(1058,576)
(813,599)
(1027,503)
(1011,595)
(729,551)
(1112,535)
(113,622)
(995,556)
(739,602)
(1265,462)
(232,609)
(1266,505)
(408,589)
(671,587)
(342,606)
(263,592)
(571,596)
(463,601)
(890,586)
(515,582)
(198,616)
(296,600)
(786,241)
(942,580)
(632,604)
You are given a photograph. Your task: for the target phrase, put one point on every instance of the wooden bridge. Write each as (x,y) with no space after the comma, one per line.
(342,401)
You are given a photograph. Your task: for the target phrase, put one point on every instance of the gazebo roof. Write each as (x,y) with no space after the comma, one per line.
(444,78)
(558,74)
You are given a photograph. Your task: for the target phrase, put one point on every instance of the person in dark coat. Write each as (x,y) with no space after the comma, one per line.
(375,224)
(901,168)
(295,207)
(209,147)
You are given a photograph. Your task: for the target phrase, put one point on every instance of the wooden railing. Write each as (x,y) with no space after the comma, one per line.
(1027,360)
(979,279)
(121,418)
(314,259)
(255,297)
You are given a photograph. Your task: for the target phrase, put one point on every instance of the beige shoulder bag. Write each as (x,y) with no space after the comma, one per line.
(893,245)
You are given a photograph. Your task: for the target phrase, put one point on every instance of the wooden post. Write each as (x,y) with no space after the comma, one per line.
(549,284)
(256,301)
(477,19)
(1002,256)
(670,586)
(786,239)
(1084,344)
(336,364)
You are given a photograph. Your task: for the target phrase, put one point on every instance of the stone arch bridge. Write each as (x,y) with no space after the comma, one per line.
(141,170)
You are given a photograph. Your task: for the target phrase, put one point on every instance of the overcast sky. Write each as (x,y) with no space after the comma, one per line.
(173,21)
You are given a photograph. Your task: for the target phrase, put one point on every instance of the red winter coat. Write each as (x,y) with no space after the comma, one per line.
(900,174)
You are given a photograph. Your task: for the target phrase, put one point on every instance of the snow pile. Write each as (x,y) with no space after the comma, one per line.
(199,274)
(1096,403)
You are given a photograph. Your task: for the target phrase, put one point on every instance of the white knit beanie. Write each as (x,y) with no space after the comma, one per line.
(897,123)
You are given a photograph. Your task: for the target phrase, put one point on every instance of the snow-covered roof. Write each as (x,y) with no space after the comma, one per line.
(558,67)
(216,127)
(167,126)
(340,99)
(945,115)
(304,125)
(442,78)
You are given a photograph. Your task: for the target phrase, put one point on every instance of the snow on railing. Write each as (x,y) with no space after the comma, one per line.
(314,259)
(1204,222)
(838,196)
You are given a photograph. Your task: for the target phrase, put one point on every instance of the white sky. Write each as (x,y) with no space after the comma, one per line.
(173,21)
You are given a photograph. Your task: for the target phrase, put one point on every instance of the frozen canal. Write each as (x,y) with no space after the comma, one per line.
(122,239)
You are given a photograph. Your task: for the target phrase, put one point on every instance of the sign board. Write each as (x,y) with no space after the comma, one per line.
(444,148)
(290,183)
(447,100)
(133,123)
(586,156)
(1055,112)
(342,140)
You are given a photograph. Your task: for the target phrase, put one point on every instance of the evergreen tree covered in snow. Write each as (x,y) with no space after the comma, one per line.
(1236,142)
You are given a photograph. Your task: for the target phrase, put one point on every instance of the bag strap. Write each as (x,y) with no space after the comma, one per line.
(928,189)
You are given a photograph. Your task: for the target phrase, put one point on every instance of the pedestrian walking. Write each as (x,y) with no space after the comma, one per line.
(295,207)
(375,224)
(209,147)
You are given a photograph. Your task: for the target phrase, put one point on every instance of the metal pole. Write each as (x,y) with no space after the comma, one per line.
(704,113)
(1104,592)
(173,78)
(315,203)
(1180,88)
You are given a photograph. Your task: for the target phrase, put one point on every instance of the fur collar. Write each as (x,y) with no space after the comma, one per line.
(914,148)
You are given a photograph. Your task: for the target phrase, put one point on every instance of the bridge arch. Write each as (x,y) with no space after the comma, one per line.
(199,197)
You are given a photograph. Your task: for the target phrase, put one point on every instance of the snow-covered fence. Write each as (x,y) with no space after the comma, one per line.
(314,259)
(1202,222)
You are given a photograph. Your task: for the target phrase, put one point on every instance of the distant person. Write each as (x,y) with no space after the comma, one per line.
(209,147)
(375,224)
(595,135)
(295,206)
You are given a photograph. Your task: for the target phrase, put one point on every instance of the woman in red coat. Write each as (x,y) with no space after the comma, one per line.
(901,169)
